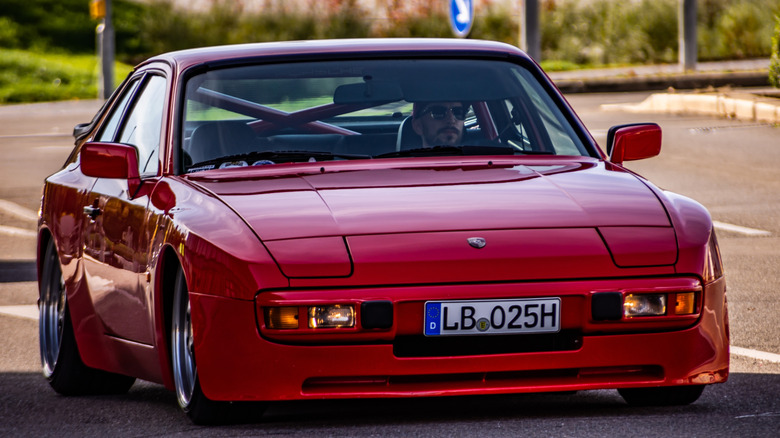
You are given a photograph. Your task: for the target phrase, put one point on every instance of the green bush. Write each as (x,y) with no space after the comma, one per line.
(495,24)
(731,29)
(774,63)
(9,33)
(658,21)
(609,32)
(743,32)
(347,22)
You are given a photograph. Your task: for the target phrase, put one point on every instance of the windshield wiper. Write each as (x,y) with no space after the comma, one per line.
(280,156)
(530,152)
(438,151)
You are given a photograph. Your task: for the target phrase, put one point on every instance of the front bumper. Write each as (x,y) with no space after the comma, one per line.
(236,362)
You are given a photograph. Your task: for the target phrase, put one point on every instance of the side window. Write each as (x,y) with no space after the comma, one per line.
(143,124)
(561,137)
(108,131)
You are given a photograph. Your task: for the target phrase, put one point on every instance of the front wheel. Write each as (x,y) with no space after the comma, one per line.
(197,406)
(662,396)
(62,364)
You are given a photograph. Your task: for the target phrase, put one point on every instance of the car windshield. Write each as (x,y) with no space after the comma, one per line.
(367,109)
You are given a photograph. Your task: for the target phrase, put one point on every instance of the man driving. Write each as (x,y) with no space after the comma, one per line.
(439,123)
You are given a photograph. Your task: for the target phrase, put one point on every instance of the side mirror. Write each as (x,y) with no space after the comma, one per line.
(81,130)
(111,160)
(633,142)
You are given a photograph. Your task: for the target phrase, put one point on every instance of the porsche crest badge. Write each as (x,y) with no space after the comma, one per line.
(477,242)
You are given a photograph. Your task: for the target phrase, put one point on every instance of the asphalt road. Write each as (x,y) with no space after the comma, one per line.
(731,167)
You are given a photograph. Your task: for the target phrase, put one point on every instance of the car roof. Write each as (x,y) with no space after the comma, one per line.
(184,59)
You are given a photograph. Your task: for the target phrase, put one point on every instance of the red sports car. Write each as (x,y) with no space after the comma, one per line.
(378,218)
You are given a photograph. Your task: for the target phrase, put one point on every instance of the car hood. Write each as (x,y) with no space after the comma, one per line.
(352,200)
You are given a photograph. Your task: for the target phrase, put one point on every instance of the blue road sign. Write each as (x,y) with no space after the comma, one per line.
(461,17)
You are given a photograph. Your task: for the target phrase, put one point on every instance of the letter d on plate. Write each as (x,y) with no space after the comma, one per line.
(432,319)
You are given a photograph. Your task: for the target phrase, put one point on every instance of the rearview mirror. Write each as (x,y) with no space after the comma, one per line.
(633,142)
(368,92)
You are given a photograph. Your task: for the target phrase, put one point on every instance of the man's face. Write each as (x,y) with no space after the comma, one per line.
(438,126)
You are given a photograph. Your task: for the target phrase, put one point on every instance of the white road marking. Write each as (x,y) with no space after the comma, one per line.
(765,414)
(20,232)
(21,213)
(738,229)
(18,211)
(29,311)
(44,134)
(755,354)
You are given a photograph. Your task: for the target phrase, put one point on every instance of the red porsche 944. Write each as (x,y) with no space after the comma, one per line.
(378,218)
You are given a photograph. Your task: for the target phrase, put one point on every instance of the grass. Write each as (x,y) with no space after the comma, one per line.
(27,76)
(557,65)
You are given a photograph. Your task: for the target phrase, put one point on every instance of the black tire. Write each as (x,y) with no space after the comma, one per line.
(199,408)
(60,359)
(662,396)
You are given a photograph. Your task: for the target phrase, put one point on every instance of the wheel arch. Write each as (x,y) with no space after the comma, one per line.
(44,238)
(170,263)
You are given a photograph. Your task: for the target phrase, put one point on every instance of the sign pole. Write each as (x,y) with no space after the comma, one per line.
(687,35)
(530,35)
(101,9)
(108,53)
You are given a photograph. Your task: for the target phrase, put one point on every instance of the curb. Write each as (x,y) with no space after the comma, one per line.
(758,106)
(663,82)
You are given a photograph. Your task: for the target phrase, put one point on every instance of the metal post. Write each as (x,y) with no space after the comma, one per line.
(687,34)
(105,35)
(530,35)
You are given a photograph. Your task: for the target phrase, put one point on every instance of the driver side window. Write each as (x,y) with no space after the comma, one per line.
(137,120)
(108,131)
(143,125)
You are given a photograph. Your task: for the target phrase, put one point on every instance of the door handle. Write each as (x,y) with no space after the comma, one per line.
(92,212)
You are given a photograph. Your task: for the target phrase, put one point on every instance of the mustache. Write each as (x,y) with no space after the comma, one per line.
(447,129)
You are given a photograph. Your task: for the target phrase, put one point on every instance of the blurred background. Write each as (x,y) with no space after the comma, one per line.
(47,47)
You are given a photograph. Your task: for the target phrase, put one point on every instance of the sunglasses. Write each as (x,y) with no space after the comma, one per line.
(439,112)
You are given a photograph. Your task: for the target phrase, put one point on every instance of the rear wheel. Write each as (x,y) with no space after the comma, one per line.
(661,396)
(62,365)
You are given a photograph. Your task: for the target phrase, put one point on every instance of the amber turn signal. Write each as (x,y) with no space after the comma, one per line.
(281,317)
(686,303)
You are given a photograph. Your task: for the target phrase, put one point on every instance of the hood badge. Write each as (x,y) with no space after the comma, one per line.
(477,242)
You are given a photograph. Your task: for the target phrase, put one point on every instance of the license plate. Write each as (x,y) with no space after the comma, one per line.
(537,315)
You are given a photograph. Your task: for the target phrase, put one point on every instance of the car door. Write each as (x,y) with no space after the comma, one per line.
(116,240)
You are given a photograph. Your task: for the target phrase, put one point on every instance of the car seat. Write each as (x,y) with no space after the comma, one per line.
(221,139)
(407,138)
